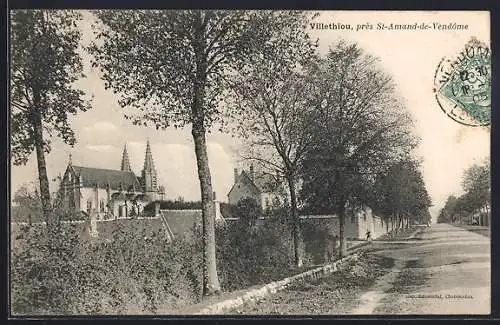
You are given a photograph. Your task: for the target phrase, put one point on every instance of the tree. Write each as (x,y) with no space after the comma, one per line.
(476,198)
(401,194)
(446,214)
(476,184)
(275,96)
(45,63)
(28,198)
(361,128)
(174,68)
(248,212)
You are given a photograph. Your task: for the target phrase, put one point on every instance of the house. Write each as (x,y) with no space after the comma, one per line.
(266,190)
(111,193)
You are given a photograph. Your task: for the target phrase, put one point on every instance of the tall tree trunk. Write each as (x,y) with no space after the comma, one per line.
(40,157)
(210,279)
(295,222)
(343,244)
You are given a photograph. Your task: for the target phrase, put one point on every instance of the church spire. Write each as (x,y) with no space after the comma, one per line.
(148,160)
(149,176)
(125,161)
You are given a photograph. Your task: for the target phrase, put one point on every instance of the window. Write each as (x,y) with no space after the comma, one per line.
(364,216)
(89,204)
(120,211)
(102,205)
(72,199)
(267,202)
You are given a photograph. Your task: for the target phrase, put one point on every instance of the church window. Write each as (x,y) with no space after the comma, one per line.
(120,211)
(102,205)
(89,204)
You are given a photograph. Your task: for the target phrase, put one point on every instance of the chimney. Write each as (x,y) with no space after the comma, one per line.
(235,174)
(252,174)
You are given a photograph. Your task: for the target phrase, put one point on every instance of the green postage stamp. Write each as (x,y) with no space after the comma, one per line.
(463,85)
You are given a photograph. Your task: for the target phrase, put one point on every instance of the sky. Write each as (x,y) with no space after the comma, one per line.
(411,57)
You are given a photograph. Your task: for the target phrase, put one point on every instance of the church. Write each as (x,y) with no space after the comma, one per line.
(111,193)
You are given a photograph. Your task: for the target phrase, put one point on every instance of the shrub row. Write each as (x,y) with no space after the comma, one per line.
(61,273)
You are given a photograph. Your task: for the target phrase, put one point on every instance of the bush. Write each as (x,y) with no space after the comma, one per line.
(135,273)
(252,251)
(63,274)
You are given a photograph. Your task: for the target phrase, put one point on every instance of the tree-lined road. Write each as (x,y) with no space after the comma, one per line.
(443,270)
(447,271)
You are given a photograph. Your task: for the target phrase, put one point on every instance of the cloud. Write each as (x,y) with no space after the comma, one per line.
(100,126)
(100,147)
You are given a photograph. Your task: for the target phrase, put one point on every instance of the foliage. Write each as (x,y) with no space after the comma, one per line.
(175,68)
(401,191)
(139,273)
(476,184)
(43,270)
(28,204)
(274,96)
(360,129)
(248,212)
(475,200)
(446,214)
(45,63)
(133,274)
(249,255)
(174,205)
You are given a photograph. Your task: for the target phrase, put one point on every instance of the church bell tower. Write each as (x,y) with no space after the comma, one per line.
(149,175)
(125,167)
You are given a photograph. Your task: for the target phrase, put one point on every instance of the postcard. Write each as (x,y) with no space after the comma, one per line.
(249,162)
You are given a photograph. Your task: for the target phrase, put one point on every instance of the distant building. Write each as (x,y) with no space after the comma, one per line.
(111,193)
(265,189)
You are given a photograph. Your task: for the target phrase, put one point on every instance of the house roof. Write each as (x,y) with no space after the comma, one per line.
(244,179)
(101,177)
(266,182)
(181,222)
(261,183)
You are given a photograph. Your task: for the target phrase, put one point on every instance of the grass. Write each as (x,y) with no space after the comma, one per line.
(335,294)
(409,280)
(399,235)
(482,230)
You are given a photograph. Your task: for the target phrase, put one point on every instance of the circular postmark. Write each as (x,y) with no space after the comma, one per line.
(462,85)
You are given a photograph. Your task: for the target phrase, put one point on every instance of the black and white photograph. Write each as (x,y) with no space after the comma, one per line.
(249,162)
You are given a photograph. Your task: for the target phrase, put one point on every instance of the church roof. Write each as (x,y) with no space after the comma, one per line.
(101,177)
